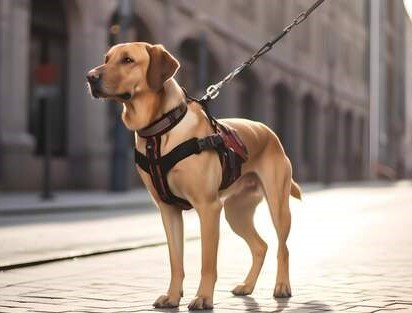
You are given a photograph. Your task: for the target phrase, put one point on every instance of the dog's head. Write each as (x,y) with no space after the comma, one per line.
(131,69)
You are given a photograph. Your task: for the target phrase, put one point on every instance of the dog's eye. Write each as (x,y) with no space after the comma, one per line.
(127,60)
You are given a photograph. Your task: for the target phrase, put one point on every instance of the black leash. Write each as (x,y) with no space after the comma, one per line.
(213,90)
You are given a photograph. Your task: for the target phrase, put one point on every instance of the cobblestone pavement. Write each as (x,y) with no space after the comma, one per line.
(350,250)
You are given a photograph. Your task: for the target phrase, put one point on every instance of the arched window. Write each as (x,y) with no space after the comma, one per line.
(247,94)
(348,138)
(198,65)
(48,59)
(309,136)
(123,29)
(332,135)
(358,150)
(284,119)
(137,29)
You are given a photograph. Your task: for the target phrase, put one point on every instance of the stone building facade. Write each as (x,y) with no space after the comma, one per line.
(390,101)
(407,139)
(312,89)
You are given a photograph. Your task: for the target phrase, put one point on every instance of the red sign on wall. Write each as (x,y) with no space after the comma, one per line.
(47,74)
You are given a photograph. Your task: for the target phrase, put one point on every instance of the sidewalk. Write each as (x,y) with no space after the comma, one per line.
(350,251)
(75,224)
(23,203)
(15,203)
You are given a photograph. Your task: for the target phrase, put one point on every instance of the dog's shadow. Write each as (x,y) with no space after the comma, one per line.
(283,304)
(164,310)
(251,305)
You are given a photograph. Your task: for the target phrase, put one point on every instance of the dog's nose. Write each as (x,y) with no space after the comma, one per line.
(93,77)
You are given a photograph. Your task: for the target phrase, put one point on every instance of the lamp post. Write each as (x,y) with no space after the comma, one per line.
(121,144)
(46,78)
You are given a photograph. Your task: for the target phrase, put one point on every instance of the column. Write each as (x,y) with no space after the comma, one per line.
(88,139)
(16,145)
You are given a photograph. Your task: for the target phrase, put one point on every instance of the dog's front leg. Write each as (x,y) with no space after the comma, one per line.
(173,225)
(209,216)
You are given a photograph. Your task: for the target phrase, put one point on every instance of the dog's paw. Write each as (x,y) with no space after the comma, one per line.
(165,301)
(201,303)
(242,290)
(282,290)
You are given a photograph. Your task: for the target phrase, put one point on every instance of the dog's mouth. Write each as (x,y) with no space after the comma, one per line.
(98,93)
(125,96)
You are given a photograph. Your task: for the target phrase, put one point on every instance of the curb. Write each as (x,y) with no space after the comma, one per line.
(70,203)
(73,208)
(30,203)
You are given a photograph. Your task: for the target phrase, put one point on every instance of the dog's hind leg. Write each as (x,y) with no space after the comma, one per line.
(277,185)
(239,212)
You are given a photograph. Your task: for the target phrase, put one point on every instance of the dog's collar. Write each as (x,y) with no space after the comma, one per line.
(165,123)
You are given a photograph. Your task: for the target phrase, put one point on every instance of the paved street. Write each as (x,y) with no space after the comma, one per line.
(350,250)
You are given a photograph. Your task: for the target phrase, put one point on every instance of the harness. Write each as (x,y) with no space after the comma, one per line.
(225,141)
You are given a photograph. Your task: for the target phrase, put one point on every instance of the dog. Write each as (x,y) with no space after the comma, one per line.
(140,76)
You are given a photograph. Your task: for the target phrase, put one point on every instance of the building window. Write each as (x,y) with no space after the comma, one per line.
(136,30)
(310,136)
(308,129)
(348,129)
(48,59)
(247,94)
(198,66)
(284,119)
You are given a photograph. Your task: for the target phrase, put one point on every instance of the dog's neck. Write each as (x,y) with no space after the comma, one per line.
(141,111)
(173,96)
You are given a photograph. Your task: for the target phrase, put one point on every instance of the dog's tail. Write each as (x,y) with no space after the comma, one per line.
(295,190)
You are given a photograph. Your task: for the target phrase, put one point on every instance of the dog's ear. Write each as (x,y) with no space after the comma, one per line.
(162,66)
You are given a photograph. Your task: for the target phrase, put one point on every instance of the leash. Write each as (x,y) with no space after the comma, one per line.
(213,90)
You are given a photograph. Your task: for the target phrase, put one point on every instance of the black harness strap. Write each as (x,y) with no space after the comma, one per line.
(141,160)
(158,175)
(189,147)
(182,151)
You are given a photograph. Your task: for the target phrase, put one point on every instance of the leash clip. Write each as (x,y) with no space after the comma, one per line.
(213,91)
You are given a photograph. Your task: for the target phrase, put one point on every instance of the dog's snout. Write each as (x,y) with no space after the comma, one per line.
(93,77)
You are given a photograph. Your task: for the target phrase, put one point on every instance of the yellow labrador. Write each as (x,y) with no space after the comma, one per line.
(140,77)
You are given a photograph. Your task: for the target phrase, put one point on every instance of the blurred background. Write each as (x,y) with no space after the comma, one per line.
(337,90)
